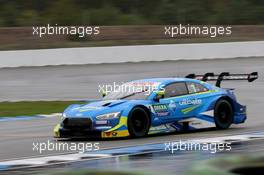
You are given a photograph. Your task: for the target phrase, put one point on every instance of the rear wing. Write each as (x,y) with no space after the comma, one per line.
(224,76)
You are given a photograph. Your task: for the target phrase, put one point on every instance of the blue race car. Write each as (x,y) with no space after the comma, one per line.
(157,105)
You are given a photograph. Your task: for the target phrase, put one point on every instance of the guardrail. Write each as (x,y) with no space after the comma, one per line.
(119,54)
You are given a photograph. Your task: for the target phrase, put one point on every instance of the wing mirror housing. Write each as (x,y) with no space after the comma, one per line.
(159,95)
(103,93)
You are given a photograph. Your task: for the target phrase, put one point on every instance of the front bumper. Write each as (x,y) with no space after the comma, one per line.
(120,130)
(70,133)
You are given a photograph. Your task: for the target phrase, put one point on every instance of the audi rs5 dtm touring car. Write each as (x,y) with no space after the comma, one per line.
(159,105)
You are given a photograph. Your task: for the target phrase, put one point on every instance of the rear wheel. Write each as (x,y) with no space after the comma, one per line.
(138,122)
(223,114)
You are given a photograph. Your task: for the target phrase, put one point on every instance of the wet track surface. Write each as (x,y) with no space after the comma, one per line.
(159,162)
(81,82)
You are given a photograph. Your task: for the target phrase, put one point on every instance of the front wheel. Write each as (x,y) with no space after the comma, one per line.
(223,114)
(138,122)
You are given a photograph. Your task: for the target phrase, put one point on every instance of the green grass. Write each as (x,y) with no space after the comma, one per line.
(11,109)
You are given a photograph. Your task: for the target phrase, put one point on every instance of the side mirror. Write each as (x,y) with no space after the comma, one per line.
(159,95)
(103,93)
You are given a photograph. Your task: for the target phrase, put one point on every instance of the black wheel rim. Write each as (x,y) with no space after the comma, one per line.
(224,114)
(139,123)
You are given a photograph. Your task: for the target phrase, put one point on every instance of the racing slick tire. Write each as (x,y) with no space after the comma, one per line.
(223,114)
(138,122)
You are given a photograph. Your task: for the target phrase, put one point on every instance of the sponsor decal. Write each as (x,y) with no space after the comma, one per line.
(158,128)
(190,102)
(110,134)
(172,105)
(160,107)
(161,128)
(189,109)
(161,110)
(165,113)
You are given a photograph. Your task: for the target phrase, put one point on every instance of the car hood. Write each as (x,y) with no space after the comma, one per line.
(95,108)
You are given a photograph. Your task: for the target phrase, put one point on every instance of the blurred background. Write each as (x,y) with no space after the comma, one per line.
(125,22)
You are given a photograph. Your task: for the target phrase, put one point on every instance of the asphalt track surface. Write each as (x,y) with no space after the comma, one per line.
(81,82)
(163,162)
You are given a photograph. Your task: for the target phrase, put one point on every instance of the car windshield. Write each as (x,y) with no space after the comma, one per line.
(131,91)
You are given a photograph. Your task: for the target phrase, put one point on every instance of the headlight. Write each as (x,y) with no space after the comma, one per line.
(108,116)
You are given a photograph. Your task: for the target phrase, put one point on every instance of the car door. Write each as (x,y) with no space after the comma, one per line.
(197,100)
(174,93)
